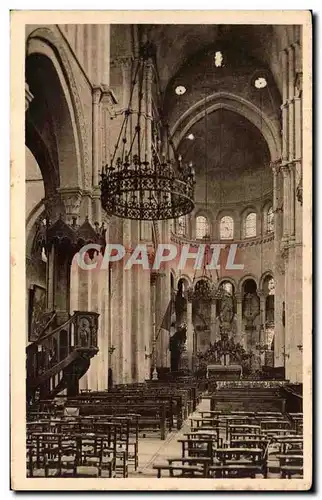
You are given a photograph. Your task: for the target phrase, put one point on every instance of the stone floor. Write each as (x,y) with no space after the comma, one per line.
(152,450)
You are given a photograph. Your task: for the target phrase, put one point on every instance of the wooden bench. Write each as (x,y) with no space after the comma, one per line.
(190,471)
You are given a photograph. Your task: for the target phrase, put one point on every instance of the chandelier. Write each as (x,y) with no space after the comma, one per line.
(153,187)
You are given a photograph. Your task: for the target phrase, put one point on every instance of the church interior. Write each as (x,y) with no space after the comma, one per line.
(164,136)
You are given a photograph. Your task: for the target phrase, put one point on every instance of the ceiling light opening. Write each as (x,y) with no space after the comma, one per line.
(260,82)
(190,137)
(180,90)
(218,59)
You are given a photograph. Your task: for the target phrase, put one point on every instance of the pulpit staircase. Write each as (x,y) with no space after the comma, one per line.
(61,355)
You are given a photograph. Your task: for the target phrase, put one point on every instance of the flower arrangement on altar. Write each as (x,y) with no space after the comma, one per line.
(222,347)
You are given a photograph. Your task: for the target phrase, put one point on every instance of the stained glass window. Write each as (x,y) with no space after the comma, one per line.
(227,228)
(250,225)
(202,227)
(181,225)
(270,220)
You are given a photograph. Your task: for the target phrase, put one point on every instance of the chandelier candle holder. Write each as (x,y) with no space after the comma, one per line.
(142,191)
(149,185)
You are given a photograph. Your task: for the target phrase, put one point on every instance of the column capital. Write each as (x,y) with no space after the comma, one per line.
(97,94)
(276,165)
(238,297)
(71,198)
(28,96)
(285,170)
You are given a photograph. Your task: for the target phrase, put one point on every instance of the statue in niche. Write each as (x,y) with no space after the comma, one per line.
(177,346)
(227,318)
(250,308)
(180,304)
(226,313)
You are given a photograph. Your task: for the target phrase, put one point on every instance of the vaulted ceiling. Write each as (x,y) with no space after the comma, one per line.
(178,44)
(226,144)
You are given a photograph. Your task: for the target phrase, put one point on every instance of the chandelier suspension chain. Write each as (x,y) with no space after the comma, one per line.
(127,112)
(149,188)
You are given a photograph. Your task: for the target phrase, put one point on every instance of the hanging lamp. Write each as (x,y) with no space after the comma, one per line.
(145,185)
(203,288)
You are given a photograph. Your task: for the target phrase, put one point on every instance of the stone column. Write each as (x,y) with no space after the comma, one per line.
(127,304)
(105,36)
(279,264)
(239,302)
(84,304)
(190,333)
(292,199)
(96,146)
(154,277)
(286,204)
(291,128)
(50,278)
(213,317)
(262,301)
(284,106)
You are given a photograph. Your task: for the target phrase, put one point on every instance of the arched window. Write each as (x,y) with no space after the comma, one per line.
(181,226)
(202,227)
(226,228)
(271,287)
(250,225)
(270,220)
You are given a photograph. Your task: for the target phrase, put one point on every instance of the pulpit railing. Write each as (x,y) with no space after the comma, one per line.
(78,333)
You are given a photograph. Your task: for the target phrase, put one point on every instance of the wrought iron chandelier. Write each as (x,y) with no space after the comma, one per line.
(155,187)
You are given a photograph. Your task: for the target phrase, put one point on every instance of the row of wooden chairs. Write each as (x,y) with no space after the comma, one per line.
(226,445)
(116,433)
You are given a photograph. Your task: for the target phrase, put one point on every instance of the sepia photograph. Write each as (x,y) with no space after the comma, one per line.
(161,250)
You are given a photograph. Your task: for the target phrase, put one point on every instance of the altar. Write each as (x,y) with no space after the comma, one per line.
(224,372)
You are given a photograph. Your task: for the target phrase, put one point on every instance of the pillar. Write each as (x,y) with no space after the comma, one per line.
(286,203)
(262,302)
(127,304)
(154,277)
(239,303)
(190,334)
(96,128)
(213,332)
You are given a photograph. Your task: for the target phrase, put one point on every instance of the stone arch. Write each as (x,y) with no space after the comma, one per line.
(264,276)
(48,43)
(230,280)
(245,278)
(202,278)
(184,277)
(37,212)
(236,104)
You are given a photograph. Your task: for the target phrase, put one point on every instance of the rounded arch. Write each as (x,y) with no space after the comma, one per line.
(245,278)
(237,104)
(204,217)
(224,279)
(47,46)
(266,274)
(202,278)
(185,278)
(31,225)
(248,210)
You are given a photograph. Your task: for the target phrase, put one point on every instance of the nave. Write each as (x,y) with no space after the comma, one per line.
(168,430)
